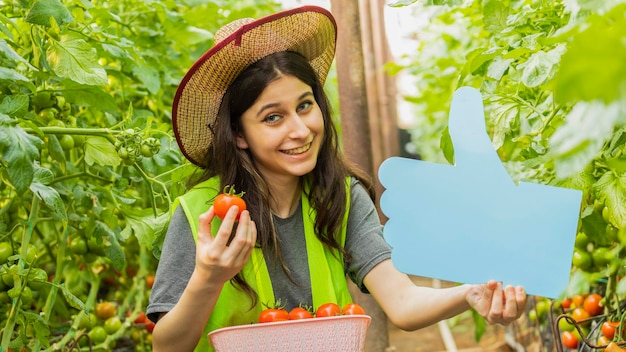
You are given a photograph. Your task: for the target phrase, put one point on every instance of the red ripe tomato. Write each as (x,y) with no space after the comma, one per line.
(273,314)
(227,199)
(566,303)
(608,329)
(299,313)
(352,309)
(328,310)
(592,304)
(569,340)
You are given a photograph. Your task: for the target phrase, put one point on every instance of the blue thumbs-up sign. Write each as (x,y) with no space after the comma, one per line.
(469,222)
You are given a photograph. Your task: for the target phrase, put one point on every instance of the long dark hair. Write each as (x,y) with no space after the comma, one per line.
(234,166)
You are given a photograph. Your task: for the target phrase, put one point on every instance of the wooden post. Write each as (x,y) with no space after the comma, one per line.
(365,115)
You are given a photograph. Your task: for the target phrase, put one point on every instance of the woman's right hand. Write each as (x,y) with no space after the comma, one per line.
(217,259)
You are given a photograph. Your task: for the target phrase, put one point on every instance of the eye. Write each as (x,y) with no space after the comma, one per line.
(305,106)
(272,118)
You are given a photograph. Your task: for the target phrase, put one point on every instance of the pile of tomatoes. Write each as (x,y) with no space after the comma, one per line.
(584,315)
(329,309)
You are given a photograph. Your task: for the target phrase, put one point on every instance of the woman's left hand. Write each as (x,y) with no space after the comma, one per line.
(497,304)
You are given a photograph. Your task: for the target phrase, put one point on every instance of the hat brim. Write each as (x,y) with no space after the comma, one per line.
(308,30)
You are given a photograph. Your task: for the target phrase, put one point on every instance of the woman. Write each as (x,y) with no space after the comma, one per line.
(252,114)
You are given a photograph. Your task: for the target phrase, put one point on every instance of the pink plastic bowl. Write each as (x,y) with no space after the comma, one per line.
(345,333)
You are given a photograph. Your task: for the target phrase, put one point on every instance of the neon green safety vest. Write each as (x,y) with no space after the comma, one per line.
(328,280)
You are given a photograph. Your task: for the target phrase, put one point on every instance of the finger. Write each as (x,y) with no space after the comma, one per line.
(497,304)
(226,228)
(510,305)
(520,299)
(204,225)
(242,244)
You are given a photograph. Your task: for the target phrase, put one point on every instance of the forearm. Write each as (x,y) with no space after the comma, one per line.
(182,327)
(412,307)
(425,306)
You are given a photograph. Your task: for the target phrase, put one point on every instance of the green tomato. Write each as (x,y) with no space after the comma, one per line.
(565,325)
(582,240)
(582,259)
(97,334)
(48,114)
(6,250)
(67,142)
(9,275)
(56,123)
(112,324)
(602,256)
(87,320)
(31,253)
(37,278)
(78,245)
(146,151)
(43,100)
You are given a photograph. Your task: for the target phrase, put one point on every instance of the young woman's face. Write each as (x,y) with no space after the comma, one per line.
(283,129)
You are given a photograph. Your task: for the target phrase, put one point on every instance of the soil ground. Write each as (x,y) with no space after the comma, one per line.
(460,333)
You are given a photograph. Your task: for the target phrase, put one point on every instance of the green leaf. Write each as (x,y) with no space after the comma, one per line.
(13,55)
(112,247)
(495,15)
(541,66)
(611,189)
(144,225)
(71,299)
(74,58)
(149,77)
(587,127)
(51,199)
(14,105)
(578,283)
(98,150)
(447,146)
(401,3)
(89,96)
(20,151)
(8,74)
(43,175)
(593,66)
(480,325)
(42,10)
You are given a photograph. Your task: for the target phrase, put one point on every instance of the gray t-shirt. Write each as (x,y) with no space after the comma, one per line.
(364,242)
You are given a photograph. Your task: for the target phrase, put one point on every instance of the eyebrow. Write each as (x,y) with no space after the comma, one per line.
(273,105)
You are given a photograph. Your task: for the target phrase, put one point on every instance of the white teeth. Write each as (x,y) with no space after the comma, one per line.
(298,150)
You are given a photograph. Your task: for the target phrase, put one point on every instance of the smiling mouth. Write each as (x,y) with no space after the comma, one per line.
(297,151)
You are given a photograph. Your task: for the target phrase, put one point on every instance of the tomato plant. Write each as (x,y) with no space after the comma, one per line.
(227,199)
(352,308)
(329,309)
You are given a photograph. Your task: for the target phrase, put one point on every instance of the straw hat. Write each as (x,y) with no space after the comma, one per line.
(308,30)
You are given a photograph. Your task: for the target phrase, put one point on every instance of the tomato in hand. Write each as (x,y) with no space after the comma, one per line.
(328,310)
(227,199)
(273,314)
(352,309)
(300,313)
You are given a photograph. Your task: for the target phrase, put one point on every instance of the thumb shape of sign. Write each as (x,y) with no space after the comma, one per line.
(469,222)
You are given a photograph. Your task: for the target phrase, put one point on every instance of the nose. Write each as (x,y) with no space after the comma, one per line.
(298,127)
